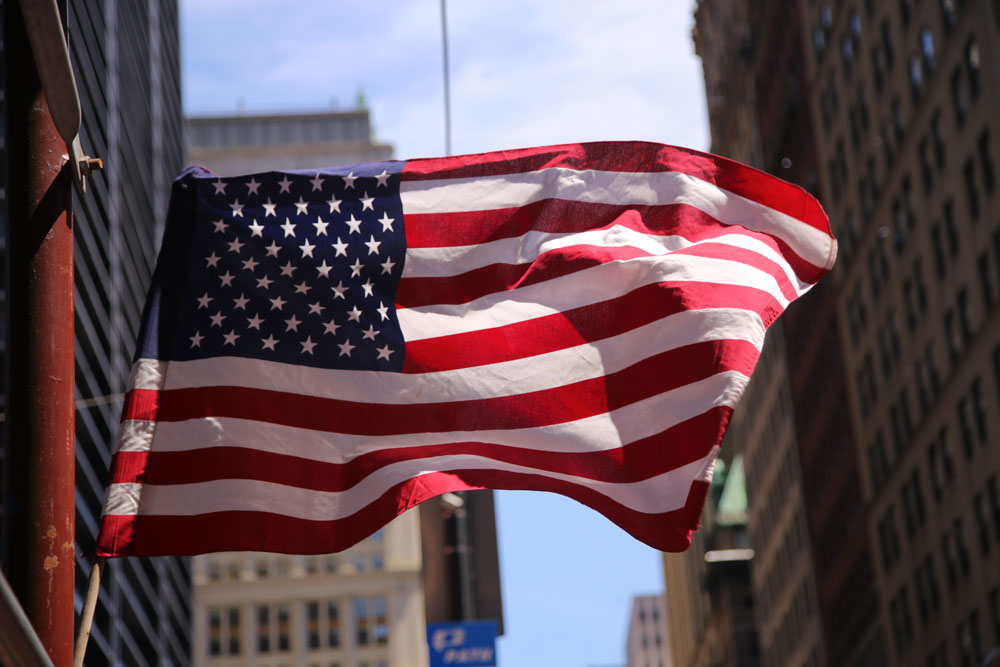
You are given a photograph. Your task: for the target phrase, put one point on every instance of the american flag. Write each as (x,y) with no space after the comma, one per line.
(322,350)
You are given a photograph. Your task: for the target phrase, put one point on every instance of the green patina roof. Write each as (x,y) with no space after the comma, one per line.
(732,508)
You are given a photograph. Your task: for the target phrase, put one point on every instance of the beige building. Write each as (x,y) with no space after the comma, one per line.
(648,643)
(246,144)
(363,607)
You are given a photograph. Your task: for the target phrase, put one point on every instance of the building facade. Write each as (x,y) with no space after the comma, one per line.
(648,643)
(126,60)
(245,144)
(782,573)
(907,132)
(885,111)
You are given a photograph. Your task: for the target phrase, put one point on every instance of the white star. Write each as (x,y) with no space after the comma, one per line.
(196,339)
(339,291)
(354,315)
(345,348)
(302,206)
(383,310)
(386,222)
(307,249)
(269,208)
(287,269)
(289,228)
(213,260)
(387,266)
(241,302)
(356,268)
(349,180)
(307,345)
(292,324)
(264,281)
(340,247)
(285,183)
(355,225)
(217,319)
(227,279)
(320,226)
(369,333)
(203,301)
(250,264)
(331,327)
(231,337)
(383,178)
(384,352)
(237,208)
(317,183)
(257,229)
(252,186)
(220,187)
(277,303)
(367,203)
(372,245)
(367,287)
(235,246)
(302,288)
(334,205)
(220,225)
(316,308)
(269,343)
(272,250)
(323,269)
(255,322)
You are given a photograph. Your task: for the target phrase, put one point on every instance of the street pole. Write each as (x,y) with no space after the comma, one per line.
(39,462)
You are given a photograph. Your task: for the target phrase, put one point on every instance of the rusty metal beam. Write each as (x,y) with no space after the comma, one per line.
(40,390)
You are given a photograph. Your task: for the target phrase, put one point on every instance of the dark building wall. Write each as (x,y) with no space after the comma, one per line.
(126,57)
(835,509)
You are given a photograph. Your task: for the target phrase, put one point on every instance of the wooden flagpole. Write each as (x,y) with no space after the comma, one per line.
(87,614)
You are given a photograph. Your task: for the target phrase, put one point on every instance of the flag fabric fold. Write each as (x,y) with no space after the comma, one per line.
(322,350)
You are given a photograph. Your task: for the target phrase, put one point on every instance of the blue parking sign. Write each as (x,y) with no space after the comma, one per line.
(463,644)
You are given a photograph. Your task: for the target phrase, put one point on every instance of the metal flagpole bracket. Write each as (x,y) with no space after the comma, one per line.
(48,44)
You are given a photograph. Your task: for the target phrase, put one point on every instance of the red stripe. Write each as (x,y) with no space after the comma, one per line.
(648,457)
(569,217)
(260,531)
(560,262)
(652,376)
(631,157)
(581,325)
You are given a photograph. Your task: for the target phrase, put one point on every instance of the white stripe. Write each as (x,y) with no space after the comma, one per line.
(585,287)
(456,260)
(623,188)
(509,378)
(663,493)
(619,427)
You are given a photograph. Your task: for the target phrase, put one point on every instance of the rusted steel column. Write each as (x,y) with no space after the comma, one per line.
(40,387)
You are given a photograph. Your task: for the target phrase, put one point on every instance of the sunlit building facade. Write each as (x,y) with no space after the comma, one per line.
(648,643)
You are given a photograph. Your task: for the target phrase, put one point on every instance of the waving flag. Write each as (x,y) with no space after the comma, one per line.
(322,350)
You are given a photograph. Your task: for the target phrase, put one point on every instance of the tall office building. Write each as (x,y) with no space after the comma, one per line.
(894,359)
(648,643)
(126,60)
(369,605)
(907,128)
(763,428)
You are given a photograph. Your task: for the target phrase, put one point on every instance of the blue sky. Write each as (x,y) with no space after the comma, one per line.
(523,73)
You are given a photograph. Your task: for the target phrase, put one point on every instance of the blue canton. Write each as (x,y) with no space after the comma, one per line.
(296,267)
